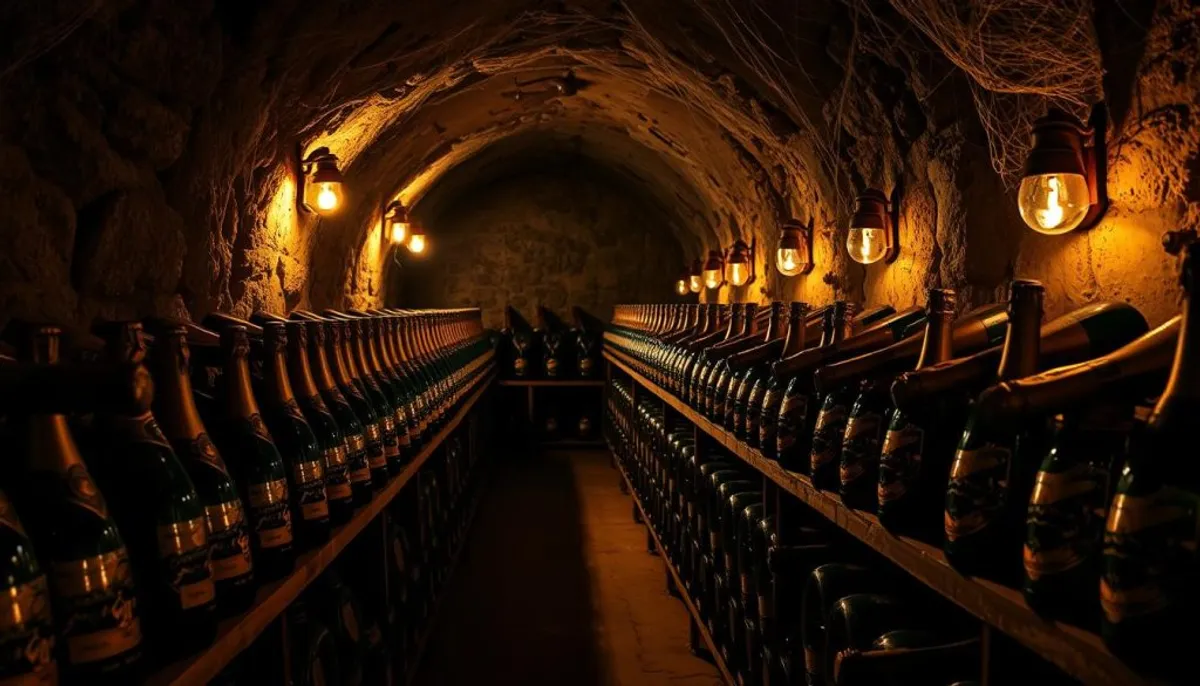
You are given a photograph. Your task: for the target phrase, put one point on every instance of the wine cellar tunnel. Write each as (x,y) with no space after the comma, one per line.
(445,184)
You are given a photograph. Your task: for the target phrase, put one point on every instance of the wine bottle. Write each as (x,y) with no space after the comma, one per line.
(391,385)
(972,331)
(762,408)
(331,443)
(916,453)
(159,512)
(983,472)
(294,439)
(413,393)
(552,339)
(351,410)
(98,622)
(703,368)
(523,342)
(257,466)
(587,343)
(717,387)
(27,654)
(1148,591)
(747,367)
(175,410)
(377,393)
(363,393)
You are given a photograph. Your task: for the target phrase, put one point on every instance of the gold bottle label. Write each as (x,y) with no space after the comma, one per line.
(272,518)
(974,497)
(899,461)
(97,599)
(183,549)
(827,436)
(860,445)
(309,481)
(337,484)
(228,539)
(27,636)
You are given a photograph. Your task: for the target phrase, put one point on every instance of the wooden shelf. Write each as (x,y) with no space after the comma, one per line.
(553,383)
(719,661)
(235,634)
(1078,652)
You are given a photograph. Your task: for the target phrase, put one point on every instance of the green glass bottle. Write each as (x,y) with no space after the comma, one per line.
(355,390)
(27,655)
(387,459)
(95,599)
(321,350)
(159,512)
(175,410)
(294,439)
(1148,590)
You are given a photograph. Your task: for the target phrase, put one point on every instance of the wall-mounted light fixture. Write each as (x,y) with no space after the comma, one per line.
(714,270)
(396,222)
(416,238)
(681,284)
(695,276)
(739,267)
(322,183)
(794,256)
(874,233)
(1065,185)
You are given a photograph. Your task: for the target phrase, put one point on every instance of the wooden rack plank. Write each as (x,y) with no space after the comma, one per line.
(235,634)
(1078,652)
(719,661)
(554,383)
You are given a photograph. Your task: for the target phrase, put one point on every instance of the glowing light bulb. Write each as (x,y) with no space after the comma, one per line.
(416,243)
(739,273)
(788,261)
(327,197)
(712,278)
(694,283)
(866,245)
(1053,203)
(399,232)
(681,287)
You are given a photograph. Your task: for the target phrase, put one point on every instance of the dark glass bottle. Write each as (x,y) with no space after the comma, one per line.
(552,339)
(330,441)
(27,655)
(762,409)
(413,394)
(371,385)
(829,424)
(159,512)
(917,450)
(747,367)
(1148,590)
(95,599)
(390,386)
(294,439)
(175,410)
(363,394)
(321,350)
(524,344)
(258,467)
(992,468)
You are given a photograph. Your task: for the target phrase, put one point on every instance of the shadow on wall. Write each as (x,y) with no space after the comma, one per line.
(563,235)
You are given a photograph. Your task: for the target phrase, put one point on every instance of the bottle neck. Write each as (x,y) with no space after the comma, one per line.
(275,379)
(938,345)
(795,339)
(299,369)
(52,448)
(174,404)
(775,322)
(1022,345)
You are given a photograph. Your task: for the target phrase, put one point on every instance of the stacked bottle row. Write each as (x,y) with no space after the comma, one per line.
(783,606)
(161,472)
(1049,456)
(552,349)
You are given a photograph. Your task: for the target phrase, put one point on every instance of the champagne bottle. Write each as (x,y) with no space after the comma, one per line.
(331,443)
(721,376)
(159,512)
(255,461)
(587,343)
(412,393)
(523,343)
(27,654)
(916,453)
(985,466)
(1148,590)
(746,367)
(347,404)
(972,331)
(364,396)
(295,440)
(392,387)
(95,598)
(175,410)
(372,386)
(552,339)
(762,409)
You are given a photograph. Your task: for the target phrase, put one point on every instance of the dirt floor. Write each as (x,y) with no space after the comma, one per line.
(556,587)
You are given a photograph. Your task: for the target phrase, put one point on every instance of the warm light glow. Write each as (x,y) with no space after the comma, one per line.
(712,278)
(399,232)
(1053,203)
(739,273)
(788,261)
(866,245)
(694,283)
(416,243)
(681,287)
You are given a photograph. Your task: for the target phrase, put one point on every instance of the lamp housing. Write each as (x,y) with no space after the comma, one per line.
(739,267)
(322,185)
(695,276)
(714,270)
(1064,186)
(794,255)
(874,231)
(396,222)
(416,238)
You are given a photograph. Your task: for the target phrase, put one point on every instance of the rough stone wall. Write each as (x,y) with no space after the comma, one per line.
(557,238)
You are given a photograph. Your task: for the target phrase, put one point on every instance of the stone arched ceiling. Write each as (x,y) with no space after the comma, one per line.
(148,148)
